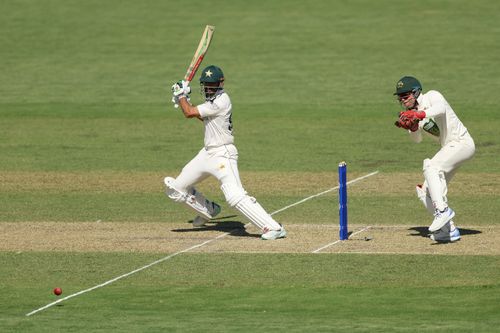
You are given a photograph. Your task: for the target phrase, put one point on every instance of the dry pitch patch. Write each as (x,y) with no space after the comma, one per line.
(171,238)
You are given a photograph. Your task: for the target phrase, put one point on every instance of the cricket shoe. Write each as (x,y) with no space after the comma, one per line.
(441,218)
(445,235)
(273,234)
(200,221)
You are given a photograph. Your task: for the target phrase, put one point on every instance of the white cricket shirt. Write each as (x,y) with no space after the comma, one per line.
(437,108)
(216,117)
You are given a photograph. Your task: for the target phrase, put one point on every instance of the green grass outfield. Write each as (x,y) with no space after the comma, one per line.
(225,293)
(87,132)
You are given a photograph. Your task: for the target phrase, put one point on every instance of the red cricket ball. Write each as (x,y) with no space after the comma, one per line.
(57,291)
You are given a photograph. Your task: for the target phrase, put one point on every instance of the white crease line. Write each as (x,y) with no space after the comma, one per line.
(125,275)
(324,192)
(182,251)
(333,243)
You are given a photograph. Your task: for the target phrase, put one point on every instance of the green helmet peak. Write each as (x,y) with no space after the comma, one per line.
(408,84)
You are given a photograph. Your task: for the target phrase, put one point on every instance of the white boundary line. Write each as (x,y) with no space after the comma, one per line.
(183,251)
(338,240)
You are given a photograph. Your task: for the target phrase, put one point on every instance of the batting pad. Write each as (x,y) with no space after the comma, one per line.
(436,184)
(424,197)
(248,206)
(256,214)
(193,199)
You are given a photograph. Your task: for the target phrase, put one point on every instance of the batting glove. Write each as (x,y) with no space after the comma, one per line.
(175,100)
(181,88)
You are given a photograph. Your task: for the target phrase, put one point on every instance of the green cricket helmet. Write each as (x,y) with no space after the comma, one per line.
(211,82)
(408,84)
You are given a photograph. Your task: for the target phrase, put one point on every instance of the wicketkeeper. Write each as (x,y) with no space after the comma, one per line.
(431,114)
(218,158)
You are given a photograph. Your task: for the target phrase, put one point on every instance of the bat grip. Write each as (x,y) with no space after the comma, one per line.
(188,81)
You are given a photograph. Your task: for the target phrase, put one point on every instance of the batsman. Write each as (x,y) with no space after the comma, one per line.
(218,158)
(431,114)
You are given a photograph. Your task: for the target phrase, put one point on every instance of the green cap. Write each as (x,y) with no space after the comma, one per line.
(212,74)
(407,84)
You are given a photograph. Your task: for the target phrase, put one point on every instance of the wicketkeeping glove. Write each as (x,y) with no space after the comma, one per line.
(408,121)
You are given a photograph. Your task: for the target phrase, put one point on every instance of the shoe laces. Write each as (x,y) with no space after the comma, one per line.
(439,213)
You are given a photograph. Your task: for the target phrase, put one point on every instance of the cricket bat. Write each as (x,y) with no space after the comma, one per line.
(198,56)
(202,49)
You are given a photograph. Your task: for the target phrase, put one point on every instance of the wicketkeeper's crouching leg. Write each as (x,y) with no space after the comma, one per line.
(424,196)
(237,197)
(194,200)
(449,232)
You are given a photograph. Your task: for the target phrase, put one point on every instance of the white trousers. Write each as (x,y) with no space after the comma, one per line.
(440,169)
(220,162)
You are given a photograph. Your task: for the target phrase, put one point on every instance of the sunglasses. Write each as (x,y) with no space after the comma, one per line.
(404,96)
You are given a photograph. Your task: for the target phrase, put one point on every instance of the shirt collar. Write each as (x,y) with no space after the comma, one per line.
(420,98)
(217,94)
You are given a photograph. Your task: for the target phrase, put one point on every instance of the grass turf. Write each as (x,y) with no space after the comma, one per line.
(222,293)
(86,90)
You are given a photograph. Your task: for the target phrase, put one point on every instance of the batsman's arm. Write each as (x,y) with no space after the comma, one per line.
(189,110)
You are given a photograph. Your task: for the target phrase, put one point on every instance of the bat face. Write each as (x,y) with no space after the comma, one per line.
(202,49)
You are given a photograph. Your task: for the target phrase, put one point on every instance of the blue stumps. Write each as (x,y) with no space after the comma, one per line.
(343,232)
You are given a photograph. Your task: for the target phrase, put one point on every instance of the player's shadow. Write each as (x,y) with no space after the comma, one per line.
(424,231)
(233,228)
